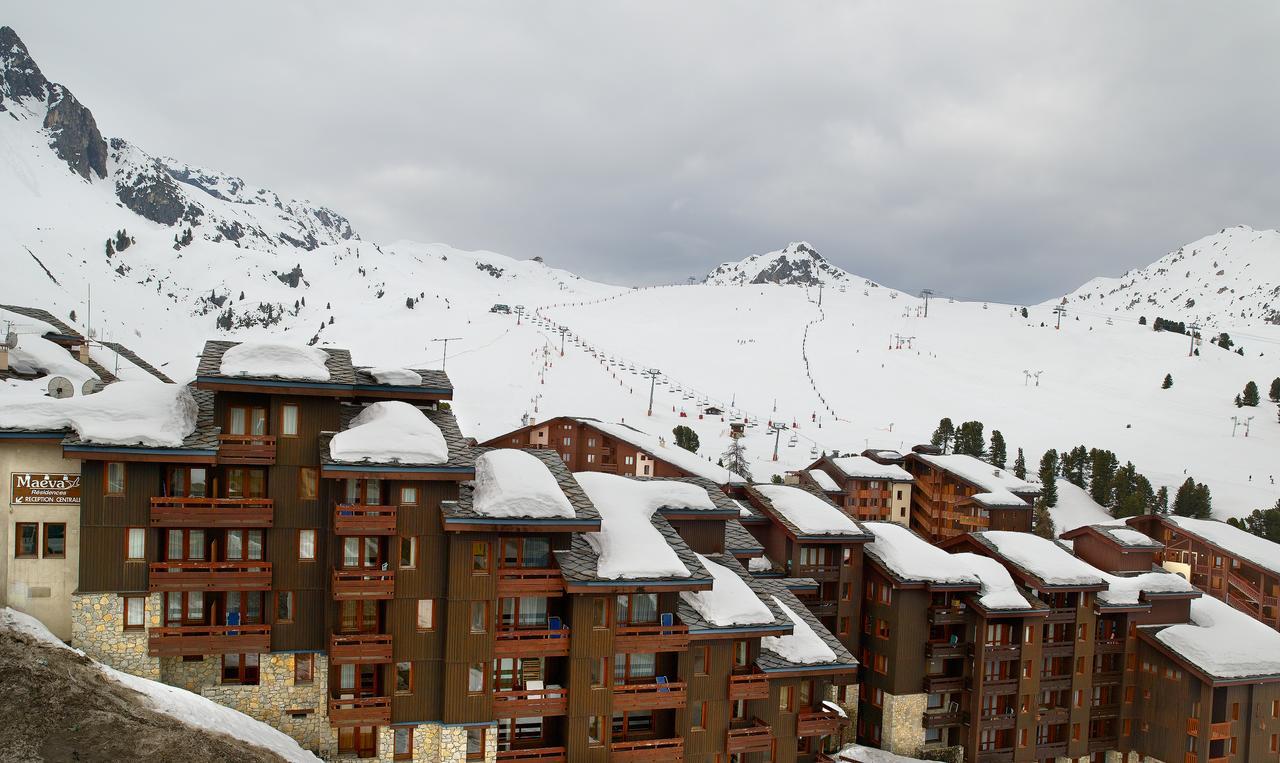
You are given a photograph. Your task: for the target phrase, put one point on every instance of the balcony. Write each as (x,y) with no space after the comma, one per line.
(210,576)
(1058,648)
(212,512)
(1053,715)
(934,720)
(1109,710)
(825,608)
(940,684)
(1004,685)
(1108,677)
(819,723)
(530,703)
(946,616)
(1006,719)
(629,639)
(1103,744)
(757,737)
(192,640)
(944,650)
(516,642)
(256,450)
(996,755)
(654,696)
(648,751)
(369,585)
(1109,646)
(1062,615)
(819,572)
(1051,749)
(359,519)
(1220,731)
(1055,683)
(533,755)
(359,648)
(530,581)
(1002,651)
(360,711)
(749,686)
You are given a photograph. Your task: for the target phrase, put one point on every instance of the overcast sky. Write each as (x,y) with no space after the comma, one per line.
(1007,151)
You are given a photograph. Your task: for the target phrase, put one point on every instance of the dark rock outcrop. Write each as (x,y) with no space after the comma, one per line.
(20,77)
(74,134)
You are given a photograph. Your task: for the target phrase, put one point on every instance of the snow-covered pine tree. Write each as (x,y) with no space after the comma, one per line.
(1020,466)
(735,459)
(998,453)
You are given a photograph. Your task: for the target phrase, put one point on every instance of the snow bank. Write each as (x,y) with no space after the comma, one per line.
(399,377)
(809,513)
(1043,558)
(1246,545)
(515,483)
(37,356)
(759,564)
(667,451)
(1126,536)
(271,359)
(824,480)
(803,646)
(1075,509)
(628,544)
(1127,589)
(390,432)
(1224,642)
(730,600)
(856,753)
(998,485)
(914,558)
(143,413)
(861,467)
(998,589)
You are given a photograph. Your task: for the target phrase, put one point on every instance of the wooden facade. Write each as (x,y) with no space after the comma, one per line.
(943,504)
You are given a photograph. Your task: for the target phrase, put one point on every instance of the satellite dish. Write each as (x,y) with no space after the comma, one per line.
(61,387)
(11,340)
(91,386)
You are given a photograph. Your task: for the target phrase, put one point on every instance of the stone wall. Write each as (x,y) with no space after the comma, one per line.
(848,734)
(276,695)
(97,628)
(902,731)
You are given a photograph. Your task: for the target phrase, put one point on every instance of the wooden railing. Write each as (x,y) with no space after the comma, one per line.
(360,711)
(363,584)
(651,638)
(247,449)
(211,512)
(1220,731)
(819,723)
(648,751)
(938,684)
(191,640)
(1001,651)
(519,642)
(530,703)
(359,519)
(654,696)
(1061,615)
(359,648)
(749,686)
(817,571)
(516,581)
(945,616)
(210,576)
(1193,727)
(533,755)
(934,720)
(758,737)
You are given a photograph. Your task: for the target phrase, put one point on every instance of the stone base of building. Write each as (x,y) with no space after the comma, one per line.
(97,629)
(901,731)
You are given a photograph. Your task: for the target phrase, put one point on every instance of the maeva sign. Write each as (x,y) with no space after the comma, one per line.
(39,487)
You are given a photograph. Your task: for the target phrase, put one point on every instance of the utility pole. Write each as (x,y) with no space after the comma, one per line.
(445,341)
(653,374)
(926,293)
(563,329)
(777,435)
(1061,311)
(819,294)
(1192,329)
(519,313)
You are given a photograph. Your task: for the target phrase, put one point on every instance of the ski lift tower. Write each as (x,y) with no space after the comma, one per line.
(1193,329)
(1060,311)
(777,436)
(653,375)
(926,294)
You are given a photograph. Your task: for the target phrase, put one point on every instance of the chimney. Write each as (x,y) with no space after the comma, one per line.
(83,352)
(4,358)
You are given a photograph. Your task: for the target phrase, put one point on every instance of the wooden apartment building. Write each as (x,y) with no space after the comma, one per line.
(955,494)
(869,487)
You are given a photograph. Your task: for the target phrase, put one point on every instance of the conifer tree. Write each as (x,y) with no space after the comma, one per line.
(1103,465)
(998,453)
(1020,466)
(735,459)
(1274,393)
(1074,466)
(686,438)
(1192,500)
(1042,521)
(969,440)
(1168,381)
(1048,477)
(1265,523)
(943,435)
(1250,396)
(1161,503)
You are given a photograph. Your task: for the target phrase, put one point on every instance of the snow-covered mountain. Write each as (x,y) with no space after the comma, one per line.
(1230,278)
(798,264)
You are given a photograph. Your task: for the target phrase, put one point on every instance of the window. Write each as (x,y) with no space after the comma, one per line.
(307,483)
(426,614)
(475,744)
(114,476)
(135,611)
(700,659)
(404,678)
(304,668)
(479,557)
(246,421)
(595,724)
(475,678)
(402,743)
(28,535)
(638,667)
(409,495)
(599,612)
(408,553)
(240,669)
(55,540)
(284,606)
(740,654)
(597,673)
(307,545)
(479,616)
(135,546)
(288,420)
(785,698)
(637,608)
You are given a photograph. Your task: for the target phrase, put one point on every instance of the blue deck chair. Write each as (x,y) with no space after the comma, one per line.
(554,624)
(662,682)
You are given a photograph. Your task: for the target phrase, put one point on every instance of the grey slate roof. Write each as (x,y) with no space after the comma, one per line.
(460,452)
(137,361)
(862,533)
(339,363)
(583,508)
(44,316)
(697,623)
(579,564)
(737,540)
(203,438)
(771,661)
(430,379)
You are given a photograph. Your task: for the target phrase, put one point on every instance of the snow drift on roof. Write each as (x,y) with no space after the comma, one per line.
(809,513)
(37,356)
(998,485)
(1043,558)
(1245,545)
(861,467)
(856,753)
(1127,536)
(730,600)
(1128,589)
(1224,642)
(1075,508)
(911,557)
(803,646)
(628,544)
(396,377)
(390,432)
(145,413)
(824,480)
(667,451)
(275,360)
(998,591)
(515,483)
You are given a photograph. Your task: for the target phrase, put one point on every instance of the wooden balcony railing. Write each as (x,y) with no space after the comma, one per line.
(648,751)
(939,684)
(1054,683)
(945,649)
(996,755)
(1220,731)
(945,616)
(210,576)
(1193,727)
(1062,615)
(1103,744)
(749,686)
(1109,646)
(359,648)
(359,519)
(533,755)
(757,737)
(518,642)
(360,711)
(654,696)
(530,703)
(1052,749)
(1057,648)
(530,581)
(999,720)
(212,512)
(937,720)
(818,571)
(1001,651)
(650,638)
(192,640)
(363,584)
(819,723)
(247,449)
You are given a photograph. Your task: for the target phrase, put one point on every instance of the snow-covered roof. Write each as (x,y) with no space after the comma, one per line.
(275,360)
(1245,545)
(856,753)
(1075,508)
(1042,558)
(37,356)
(396,376)
(515,483)
(802,646)
(912,558)
(1224,642)
(809,514)
(999,591)
(1127,590)
(823,480)
(387,432)
(667,451)
(998,486)
(730,600)
(628,545)
(145,413)
(1128,537)
(863,468)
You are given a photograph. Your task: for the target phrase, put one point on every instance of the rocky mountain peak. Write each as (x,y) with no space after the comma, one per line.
(798,263)
(20,77)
